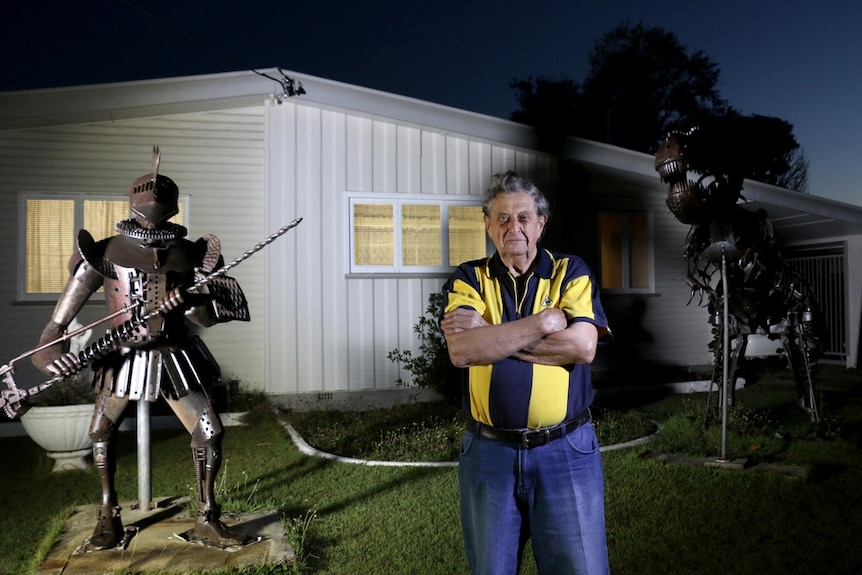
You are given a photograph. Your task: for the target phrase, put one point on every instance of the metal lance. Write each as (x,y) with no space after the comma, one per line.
(12,397)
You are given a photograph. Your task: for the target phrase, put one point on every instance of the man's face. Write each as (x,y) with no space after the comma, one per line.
(515,227)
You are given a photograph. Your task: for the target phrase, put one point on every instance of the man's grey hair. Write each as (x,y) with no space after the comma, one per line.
(512,183)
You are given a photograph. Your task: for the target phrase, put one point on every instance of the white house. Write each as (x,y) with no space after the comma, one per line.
(387,188)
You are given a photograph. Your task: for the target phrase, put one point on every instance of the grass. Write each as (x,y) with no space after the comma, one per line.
(347,519)
(426,431)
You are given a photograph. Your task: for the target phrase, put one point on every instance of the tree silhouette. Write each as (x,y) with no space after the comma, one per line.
(550,105)
(643,83)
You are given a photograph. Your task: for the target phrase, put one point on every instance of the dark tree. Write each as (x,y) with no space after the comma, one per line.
(758,147)
(550,105)
(796,178)
(643,83)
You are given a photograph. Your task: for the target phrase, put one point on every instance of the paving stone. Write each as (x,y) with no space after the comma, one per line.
(744,465)
(153,542)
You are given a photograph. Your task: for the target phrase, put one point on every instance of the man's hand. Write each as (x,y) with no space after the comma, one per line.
(461,319)
(473,341)
(553,320)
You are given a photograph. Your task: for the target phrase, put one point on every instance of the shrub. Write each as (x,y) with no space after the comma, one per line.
(75,390)
(430,368)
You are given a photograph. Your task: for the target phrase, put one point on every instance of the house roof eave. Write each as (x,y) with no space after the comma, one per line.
(609,156)
(126,100)
(147,98)
(798,217)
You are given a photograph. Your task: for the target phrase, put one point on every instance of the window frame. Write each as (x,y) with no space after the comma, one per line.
(78,198)
(626,242)
(397,201)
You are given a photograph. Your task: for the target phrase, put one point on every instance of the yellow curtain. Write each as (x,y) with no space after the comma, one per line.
(612,249)
(420,235)
(49,244)
(466,234)
(100,216)
(639,250)
(373,235)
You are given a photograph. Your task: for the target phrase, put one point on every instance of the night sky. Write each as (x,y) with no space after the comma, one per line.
(795,59)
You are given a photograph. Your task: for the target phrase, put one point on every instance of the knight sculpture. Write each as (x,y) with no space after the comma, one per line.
(728,245)
(147,269)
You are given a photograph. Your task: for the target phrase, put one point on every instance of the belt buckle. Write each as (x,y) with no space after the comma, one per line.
(535,438)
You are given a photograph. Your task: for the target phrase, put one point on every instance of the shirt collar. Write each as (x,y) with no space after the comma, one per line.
(543,268)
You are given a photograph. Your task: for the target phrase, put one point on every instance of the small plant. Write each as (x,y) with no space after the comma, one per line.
(239,496)
(231,395)
(75,390)
(431,368)
(298,533)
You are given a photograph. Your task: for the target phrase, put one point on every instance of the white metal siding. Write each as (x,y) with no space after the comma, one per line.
(328,332)
(216,158)
(666,330)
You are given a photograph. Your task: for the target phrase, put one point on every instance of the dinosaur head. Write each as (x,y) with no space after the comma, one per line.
(701,176)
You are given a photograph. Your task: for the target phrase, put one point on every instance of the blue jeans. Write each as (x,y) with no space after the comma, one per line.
(553,494)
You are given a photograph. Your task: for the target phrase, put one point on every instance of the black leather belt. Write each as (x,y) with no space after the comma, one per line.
(529,438)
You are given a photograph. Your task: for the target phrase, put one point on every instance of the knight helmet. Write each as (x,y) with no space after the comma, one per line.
(153,197)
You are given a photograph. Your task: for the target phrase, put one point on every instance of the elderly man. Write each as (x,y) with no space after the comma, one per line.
(527,322)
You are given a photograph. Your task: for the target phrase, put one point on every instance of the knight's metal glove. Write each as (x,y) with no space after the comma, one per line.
(176,299)
(65,366)
(55,359)
(180,299)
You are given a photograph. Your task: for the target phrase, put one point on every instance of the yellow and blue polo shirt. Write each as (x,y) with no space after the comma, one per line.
(515,394)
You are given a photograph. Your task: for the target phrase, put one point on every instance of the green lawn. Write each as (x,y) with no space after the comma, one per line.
(662,518)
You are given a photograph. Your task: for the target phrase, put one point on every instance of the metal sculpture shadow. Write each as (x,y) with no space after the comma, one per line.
(731,251)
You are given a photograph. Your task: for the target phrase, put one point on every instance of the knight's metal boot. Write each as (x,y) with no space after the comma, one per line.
(210,528)
(109,528)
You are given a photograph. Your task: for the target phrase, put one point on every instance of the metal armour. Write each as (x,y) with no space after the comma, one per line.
(159,354)
(153,197)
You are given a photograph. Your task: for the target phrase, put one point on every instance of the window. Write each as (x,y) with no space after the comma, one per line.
(49,227)
(626,240)
(413,234)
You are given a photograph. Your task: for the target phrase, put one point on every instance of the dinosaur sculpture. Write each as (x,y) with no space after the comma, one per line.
(732,251)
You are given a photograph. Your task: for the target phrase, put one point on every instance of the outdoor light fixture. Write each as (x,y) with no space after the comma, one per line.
(289,86)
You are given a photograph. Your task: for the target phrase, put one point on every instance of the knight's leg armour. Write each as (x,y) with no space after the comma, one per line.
(206,453)
(207,461)
(109,527)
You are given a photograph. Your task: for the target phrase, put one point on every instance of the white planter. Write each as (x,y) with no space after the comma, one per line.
(232,418)
(62,432)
